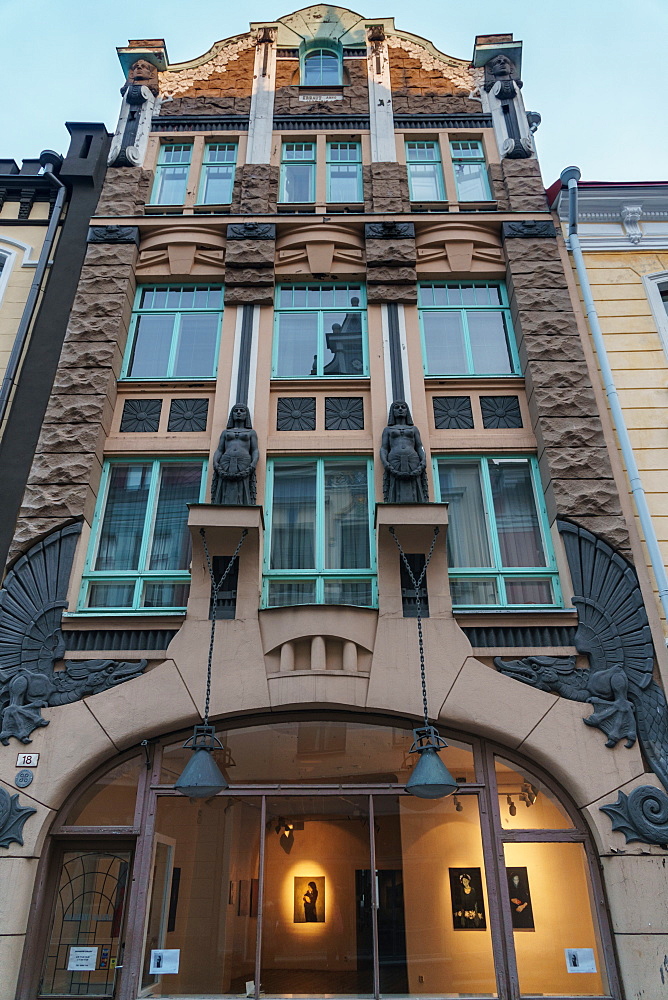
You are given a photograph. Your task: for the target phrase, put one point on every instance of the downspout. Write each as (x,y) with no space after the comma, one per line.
(49,161)
(570,177)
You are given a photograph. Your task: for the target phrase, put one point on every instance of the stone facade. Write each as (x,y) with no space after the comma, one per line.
(315,376)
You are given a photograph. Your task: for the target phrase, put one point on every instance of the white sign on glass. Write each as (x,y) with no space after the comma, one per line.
(82,960)
(164,960)
(580,959)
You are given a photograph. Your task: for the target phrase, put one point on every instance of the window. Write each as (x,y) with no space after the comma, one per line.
(174,332)
(321,68)
(318,546)
(466,329)
(298,172)
(498,543)
(217,179)
(171,174)
(656,287)
(425,174)
(320,330)
(470,169)
(344,172)
(140,549)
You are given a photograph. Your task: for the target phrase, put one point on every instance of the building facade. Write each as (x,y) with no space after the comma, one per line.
(45,207)
(326,402)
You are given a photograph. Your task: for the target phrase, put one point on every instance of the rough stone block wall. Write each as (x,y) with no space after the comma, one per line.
(417,90)
(574,461)
(355,100)
(65,473)
(249,273)
(389,187)
(391,270)
(126,191)
(517,186)
(226,92)
(258,193)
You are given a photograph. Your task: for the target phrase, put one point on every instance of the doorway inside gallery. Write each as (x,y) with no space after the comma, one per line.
(315,874)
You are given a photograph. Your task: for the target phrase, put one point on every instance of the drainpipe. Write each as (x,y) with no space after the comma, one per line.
(570,177)
(49,161)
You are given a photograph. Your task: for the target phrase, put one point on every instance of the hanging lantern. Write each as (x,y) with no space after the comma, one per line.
(201,777)
(430,778)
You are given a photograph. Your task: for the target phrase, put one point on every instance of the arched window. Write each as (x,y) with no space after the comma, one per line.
(321,68)
(271,884)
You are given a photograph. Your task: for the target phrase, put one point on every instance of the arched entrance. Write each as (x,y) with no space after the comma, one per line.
(316,875)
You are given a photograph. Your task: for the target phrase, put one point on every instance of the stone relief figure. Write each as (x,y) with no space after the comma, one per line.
(613,632)
(142,74)
(235,460)
(33,674)
(499,68)
(139,93)
(403,458)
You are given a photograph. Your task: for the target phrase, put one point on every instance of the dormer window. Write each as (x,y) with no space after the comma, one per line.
(321,68)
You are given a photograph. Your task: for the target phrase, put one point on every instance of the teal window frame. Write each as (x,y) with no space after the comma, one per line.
(470,152)
(320,574)
(320,310)
(496,571)
(311,55)
(426,306)
(208,163)
(141,575)
(416,146)
(164,166)
(357,162)
(178,312)
(286,162)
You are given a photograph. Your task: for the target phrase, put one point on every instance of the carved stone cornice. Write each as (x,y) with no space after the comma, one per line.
(529,229)
(251,231)
(113,234)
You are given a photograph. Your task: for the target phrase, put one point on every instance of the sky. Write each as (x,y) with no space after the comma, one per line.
(594,69)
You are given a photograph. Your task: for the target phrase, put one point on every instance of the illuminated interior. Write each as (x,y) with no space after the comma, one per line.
(316,875)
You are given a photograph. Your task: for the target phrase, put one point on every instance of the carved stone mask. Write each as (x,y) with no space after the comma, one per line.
(144,74)
(501,66)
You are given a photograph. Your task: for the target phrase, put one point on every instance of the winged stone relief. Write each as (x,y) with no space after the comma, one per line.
(32,601)
(12,818)
(613,631)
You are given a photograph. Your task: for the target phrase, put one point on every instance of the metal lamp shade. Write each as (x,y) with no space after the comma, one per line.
(201,777)
(430,778)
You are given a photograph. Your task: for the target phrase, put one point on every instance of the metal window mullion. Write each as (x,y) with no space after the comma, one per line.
(541,511)
(488,503)
(176,334)
(467,340)
(320,516)
(149,524)
(100,508)
(321,338)
(371,513)
(130,348)
(510,339)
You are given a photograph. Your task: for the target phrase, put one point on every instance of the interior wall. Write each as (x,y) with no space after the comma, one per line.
(561,904)
(217,842)
(436,837)
(334,849)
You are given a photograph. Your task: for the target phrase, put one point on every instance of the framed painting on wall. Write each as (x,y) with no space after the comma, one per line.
(309,899)
(244,897)
(520,899)
(468,905)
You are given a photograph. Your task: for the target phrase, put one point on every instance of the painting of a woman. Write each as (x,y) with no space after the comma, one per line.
(468,907)
(309,900)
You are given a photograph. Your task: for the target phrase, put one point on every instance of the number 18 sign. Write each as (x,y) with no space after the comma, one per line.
(27,760)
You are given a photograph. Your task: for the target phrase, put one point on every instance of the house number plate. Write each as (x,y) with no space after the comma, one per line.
(27,760)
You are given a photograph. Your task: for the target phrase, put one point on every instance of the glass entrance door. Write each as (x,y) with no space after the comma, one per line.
(316,904)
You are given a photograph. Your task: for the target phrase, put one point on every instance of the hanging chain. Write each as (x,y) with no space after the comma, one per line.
(215,588)
(418,607)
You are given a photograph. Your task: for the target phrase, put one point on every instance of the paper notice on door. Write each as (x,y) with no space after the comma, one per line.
(164,960)
(580,959)
(82,960)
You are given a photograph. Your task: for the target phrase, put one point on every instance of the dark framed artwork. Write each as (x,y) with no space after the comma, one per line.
(254,896)
(309,899)
(233,894)
(468,903)
(520,899)
(244,897)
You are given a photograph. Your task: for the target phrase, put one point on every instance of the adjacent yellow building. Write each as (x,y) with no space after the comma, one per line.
(623,233)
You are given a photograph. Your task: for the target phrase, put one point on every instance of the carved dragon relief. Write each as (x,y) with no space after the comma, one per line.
(32,601)
(613,631)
